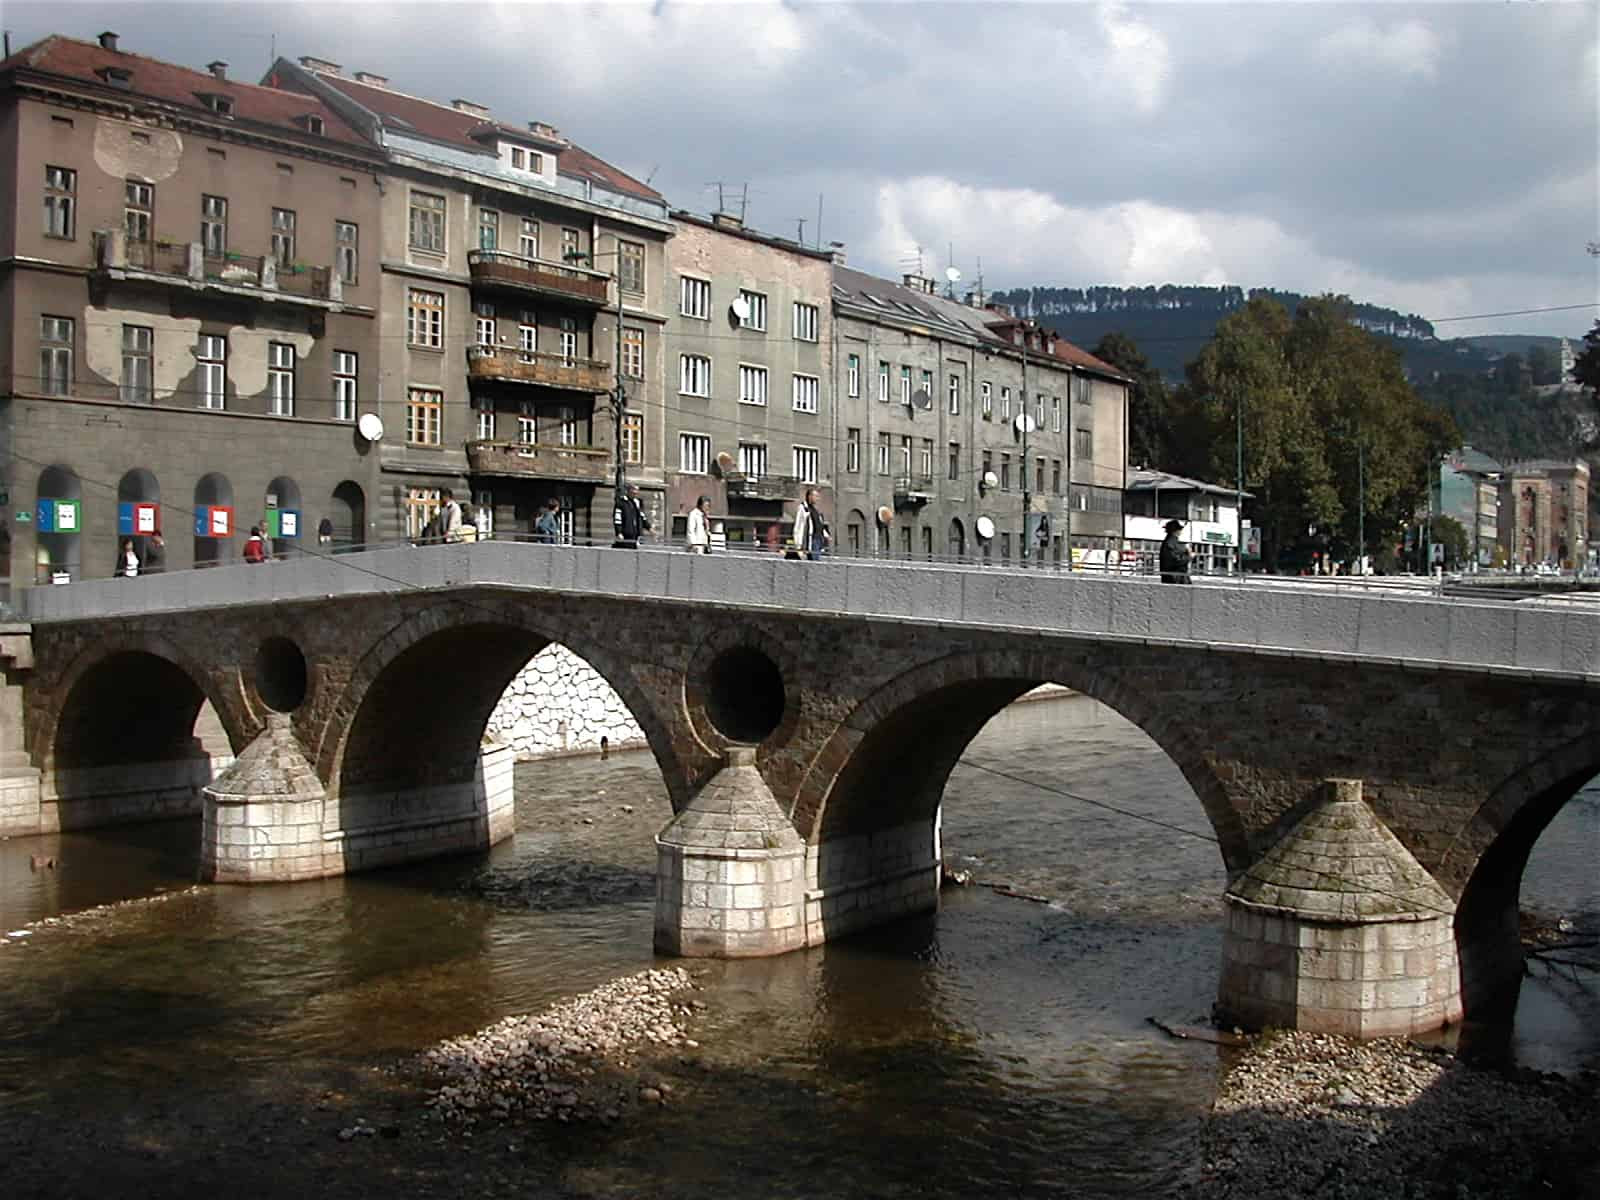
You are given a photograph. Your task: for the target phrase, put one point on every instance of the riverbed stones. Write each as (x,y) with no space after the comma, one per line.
(730,870)
(559,704)
(1338,929)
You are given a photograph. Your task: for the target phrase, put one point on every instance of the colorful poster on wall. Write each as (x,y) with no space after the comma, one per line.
(137,517)
(58,516)
(283,523)
(213,520)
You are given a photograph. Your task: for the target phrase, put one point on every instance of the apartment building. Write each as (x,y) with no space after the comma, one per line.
(1544,513)
(968,433)
(751,419)
(1468,490)
(188,290)
(507,252)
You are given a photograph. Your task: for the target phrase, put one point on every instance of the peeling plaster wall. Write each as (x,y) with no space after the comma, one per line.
(119,153)
(174,345)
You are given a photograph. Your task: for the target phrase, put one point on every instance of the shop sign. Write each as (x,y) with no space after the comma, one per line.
(59,516)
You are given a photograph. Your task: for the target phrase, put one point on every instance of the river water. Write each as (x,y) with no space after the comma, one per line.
(998,1048)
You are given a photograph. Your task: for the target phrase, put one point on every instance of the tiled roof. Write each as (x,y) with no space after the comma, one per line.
(444,123)
(154,79)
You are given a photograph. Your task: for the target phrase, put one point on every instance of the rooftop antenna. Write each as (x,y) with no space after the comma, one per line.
(818,230)
(980,283)
(801,236)
(652,174)
(718,184)
(744,202)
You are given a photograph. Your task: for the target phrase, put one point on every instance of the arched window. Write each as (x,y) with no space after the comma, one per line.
(59,521)
(283,516)
(958,540)
(348,514)
(213,521)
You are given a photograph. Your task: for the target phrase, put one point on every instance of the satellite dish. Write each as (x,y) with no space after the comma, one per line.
(886,515)
(985,528)
(741,308)
(922,400)
(1025,423)
(952,274)
(990,479)
(370,426)
(725,462)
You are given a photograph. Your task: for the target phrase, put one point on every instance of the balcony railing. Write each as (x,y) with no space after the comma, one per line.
(495,268)
(762,487)
(186,264)
(535,460)
(502,364)
(913,489)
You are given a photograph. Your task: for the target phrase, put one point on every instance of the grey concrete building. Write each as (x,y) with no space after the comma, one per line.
(933,459)
(752,422)
(506,253)
(189,297)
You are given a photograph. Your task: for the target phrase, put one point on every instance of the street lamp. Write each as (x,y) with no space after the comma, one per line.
(618,392)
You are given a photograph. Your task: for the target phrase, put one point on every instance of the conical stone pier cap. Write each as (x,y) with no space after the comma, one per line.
(1340,864)
(273,766)
(736,810)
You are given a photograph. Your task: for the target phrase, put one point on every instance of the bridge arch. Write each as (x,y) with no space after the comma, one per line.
(887,763)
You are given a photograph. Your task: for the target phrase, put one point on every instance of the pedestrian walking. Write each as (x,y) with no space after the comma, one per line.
(127,560)
(1174,555)
(699,535)
(325,533)
(449,516)
(155,555)
(811,536)
(547,526)
(628,520)
(255,546)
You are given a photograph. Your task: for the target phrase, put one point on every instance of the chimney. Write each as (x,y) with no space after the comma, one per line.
(374,80)
(541,129)
(108,40)
(917,283)
(836,249)
(726,220)
(471,107)
(320,64)
(218,69)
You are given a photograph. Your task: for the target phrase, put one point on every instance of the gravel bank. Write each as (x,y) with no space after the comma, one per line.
(1302,1115)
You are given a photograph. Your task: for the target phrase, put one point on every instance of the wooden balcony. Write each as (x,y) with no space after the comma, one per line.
(504,365)
(580,285)
(762,487)
(522,460)
(186,265)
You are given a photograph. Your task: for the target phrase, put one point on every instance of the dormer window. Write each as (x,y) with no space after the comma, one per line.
(118,77)
(519,159)
(523,159)
(311,123)
(217,103)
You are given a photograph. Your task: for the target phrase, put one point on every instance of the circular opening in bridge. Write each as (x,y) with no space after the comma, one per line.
(744,694)
(281,674)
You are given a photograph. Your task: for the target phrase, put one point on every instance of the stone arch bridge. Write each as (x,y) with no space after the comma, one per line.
(1376,765)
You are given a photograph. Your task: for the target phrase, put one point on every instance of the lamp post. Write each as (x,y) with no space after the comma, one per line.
(1022,418)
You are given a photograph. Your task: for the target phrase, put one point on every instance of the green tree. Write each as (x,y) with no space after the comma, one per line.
(1149,423)
(1545,365)
(1586,370)
(1453,535)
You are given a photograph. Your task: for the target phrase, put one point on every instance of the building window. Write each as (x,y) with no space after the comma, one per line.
(1038,410)
(633,353)
(694,298)
(853,376)
(519,159)
(484,406)
(211,361)
(1038,475)
(806,390)
(1005,472)
(805,322)
(853,536)
(214,225)
(905,385)
(483,515)
(633,437)
(630,267)
(567,425)
(752,459)
(955,395)
(283,221)
(883,454)
(425,319)
(805,464)
(1005,547)
(852,451)
(427,222)
(986,393)
(55,356)
(138,213)
(422,505)
(1055,476)
(883,382)
(1055,414)
(1005,404)
(536,165)
(484,324)
(988,464)
(138,366)
(927,385)
(60,202)
(424,407)
(925,459)
(527,425)
(1083,443)
(344,385)
(756,304)
(955,460)
(568,333)
(527,339)
(280,378)
(488,229)
(528,238)
(752,385)
(694,375)
(694,453)
(905,454)
(1081,386)
(346,250)
(572,246)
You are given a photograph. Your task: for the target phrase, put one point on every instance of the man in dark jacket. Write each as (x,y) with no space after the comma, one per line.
(1174,556)
(155,555)
(628,519)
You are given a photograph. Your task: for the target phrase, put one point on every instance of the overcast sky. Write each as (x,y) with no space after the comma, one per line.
(1437,158)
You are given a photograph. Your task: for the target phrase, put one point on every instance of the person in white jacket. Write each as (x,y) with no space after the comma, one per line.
(699,535)
(811,536)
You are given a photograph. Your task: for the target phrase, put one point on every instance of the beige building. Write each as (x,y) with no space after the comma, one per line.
(506,251)
(189,297)
(1544,510)
(751,421)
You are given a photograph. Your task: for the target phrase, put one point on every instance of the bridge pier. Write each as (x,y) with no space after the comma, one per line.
(862,880)
(1338,929)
